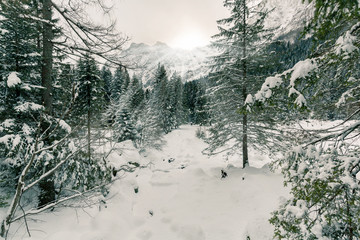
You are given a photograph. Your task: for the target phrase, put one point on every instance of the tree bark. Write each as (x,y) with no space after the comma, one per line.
(47,193)
(47,56)
(88,86)
(244,92)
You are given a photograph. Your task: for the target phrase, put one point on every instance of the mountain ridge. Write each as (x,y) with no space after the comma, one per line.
(287,18)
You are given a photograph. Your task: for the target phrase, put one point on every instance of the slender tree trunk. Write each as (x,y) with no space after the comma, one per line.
(88,135)
(47,188)
(89,119)
(244,92)
(46,70)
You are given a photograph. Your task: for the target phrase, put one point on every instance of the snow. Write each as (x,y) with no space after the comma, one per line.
(27,106)
(346,95)
(286,17)
(5,139)
(13,79)
(65,126)
(249,99)
(345,44)
(302,69)
(181,196)
(8,123)
(188,64)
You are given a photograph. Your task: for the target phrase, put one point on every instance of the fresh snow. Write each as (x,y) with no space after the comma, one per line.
(181,196)
(345,44)
(302,69)
(28,106)
(13,79)
(65,126)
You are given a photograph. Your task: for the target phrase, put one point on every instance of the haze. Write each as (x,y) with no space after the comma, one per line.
(178,23)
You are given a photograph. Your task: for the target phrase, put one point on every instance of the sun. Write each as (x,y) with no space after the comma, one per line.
(189,40)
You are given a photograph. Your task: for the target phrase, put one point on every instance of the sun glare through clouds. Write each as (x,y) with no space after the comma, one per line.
(189,40)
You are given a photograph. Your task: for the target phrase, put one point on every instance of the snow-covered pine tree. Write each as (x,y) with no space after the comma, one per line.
(107,78)
(124,119)
(242,40)
(20,88)
(150,132)
(43,144)
(160,99)
(119,83)
(324,172)
(138,94)
(175,93)
(201,110)
(90,102)
(195,102)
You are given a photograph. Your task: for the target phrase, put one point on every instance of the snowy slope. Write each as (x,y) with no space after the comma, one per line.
(287,17)
(184,199)
(189,64)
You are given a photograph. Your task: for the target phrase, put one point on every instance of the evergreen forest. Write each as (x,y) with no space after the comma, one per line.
(66,91)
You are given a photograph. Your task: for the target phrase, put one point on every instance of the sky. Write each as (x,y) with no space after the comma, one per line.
(178,23)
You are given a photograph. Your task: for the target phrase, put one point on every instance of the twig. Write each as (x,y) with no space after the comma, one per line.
(26,224)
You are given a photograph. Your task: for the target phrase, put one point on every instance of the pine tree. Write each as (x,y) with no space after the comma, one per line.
(175,93)
(28,43)
(119,83)
(201,111)
(138,94)
(149,129)
(106,76)
(160,99)
(90,101)
(241,42)
(20,61)
(323,171)
(190,99)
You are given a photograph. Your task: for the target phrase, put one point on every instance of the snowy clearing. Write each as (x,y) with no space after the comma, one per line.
(181,196)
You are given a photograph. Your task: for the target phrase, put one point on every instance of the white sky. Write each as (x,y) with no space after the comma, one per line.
(178,23)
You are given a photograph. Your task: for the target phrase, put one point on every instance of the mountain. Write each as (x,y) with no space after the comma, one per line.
(287,18)
(189,64)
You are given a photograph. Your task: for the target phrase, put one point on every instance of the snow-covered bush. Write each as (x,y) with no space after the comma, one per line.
(325,202)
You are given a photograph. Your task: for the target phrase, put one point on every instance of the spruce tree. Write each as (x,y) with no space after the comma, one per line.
(119,83)
(175,93)
(29,43)
(90,100)
(107,78)
(242,40)
(323,172)
(160,99)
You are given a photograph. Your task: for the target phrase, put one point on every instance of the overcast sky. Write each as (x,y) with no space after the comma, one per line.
(179,23)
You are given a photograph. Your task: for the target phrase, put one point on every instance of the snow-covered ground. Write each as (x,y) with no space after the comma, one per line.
(181,199)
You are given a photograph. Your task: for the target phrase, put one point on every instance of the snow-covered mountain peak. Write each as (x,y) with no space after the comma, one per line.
(189,64)
(287,18)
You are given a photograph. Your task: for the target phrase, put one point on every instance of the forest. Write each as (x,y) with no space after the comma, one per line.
(65,89)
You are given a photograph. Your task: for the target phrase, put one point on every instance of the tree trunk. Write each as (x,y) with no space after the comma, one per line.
(47,188)
(244,92)
(47,60)
(89,119)
(88,135)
